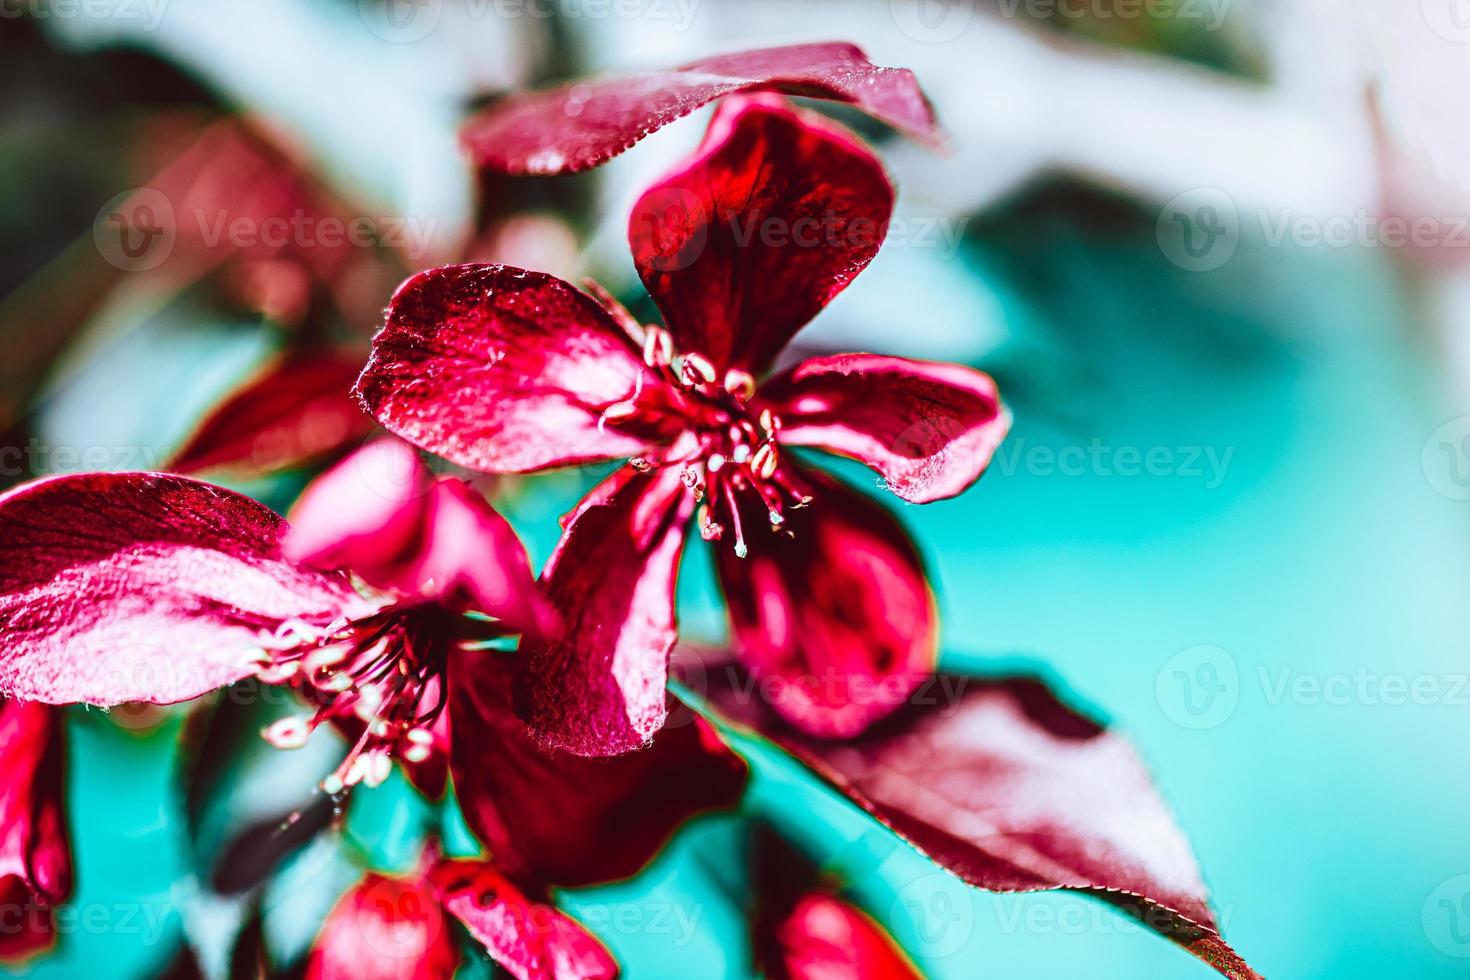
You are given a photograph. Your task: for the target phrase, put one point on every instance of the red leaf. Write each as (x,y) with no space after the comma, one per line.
(587,123)
(1001,784)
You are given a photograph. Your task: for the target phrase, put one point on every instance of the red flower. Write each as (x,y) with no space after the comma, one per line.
(387,928)
(148,587)
(506,371)
(35,858)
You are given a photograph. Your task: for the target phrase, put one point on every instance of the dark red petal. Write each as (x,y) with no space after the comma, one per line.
(385,929)
(564,819)
(826,938)
(29,928)
(142,587)
(296,411)
(1003,785)
(501,370)
(836,619)
(527,936)
(773,216)
(35,855)
(929,429)
(583,124)
(596,687)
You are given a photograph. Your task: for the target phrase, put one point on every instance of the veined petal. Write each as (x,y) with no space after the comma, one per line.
(568,820)
(774,215)
(1003,785)
(832,612)
(929,429)
(142,587)
(35,856)
(526,935)
(385,928)
(503,371)
(586,123)
(596,687)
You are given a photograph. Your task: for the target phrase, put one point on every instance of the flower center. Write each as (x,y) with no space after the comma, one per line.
(727,444)
(380,679)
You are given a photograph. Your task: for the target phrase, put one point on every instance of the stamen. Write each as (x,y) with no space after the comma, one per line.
(658,347)
(288,733)
(740,383)
(697,369)
(767,458)
(740,550)
(741,454)
(715,462)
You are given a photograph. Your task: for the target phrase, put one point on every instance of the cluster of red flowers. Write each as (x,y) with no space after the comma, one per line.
(374,602)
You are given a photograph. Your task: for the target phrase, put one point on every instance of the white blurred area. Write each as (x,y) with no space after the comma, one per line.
(1360,113)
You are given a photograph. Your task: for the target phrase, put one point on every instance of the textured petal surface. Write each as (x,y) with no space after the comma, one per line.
(501,370)
(774,215)
(929,429)
(596,687)
(35,855)
(297,411)
(142,587)
(826,938)
(568,820)
(385,929)
(528,936)
(1003,785)
(836,619)
(587,123)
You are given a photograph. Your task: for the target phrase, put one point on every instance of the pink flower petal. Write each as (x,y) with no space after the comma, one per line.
(1003,785)
(929,429)
(774,215)
(528,936)
(564,819)
(142,587)
(586,123)
(385,929)
(824,937)
(502,370)
(471,551)
(296,411)
(835,619)
(367,515)
(597,686)
(35,855)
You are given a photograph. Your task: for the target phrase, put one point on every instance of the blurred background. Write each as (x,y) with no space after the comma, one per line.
(1216,252)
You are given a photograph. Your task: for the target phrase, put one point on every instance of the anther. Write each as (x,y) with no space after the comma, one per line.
(769,421)
(640,464)
(697,369)
(327,656)
(658,346)
(287,733)
(741,453)
(766,459)
(715,462)
(740,383)
(278,673)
